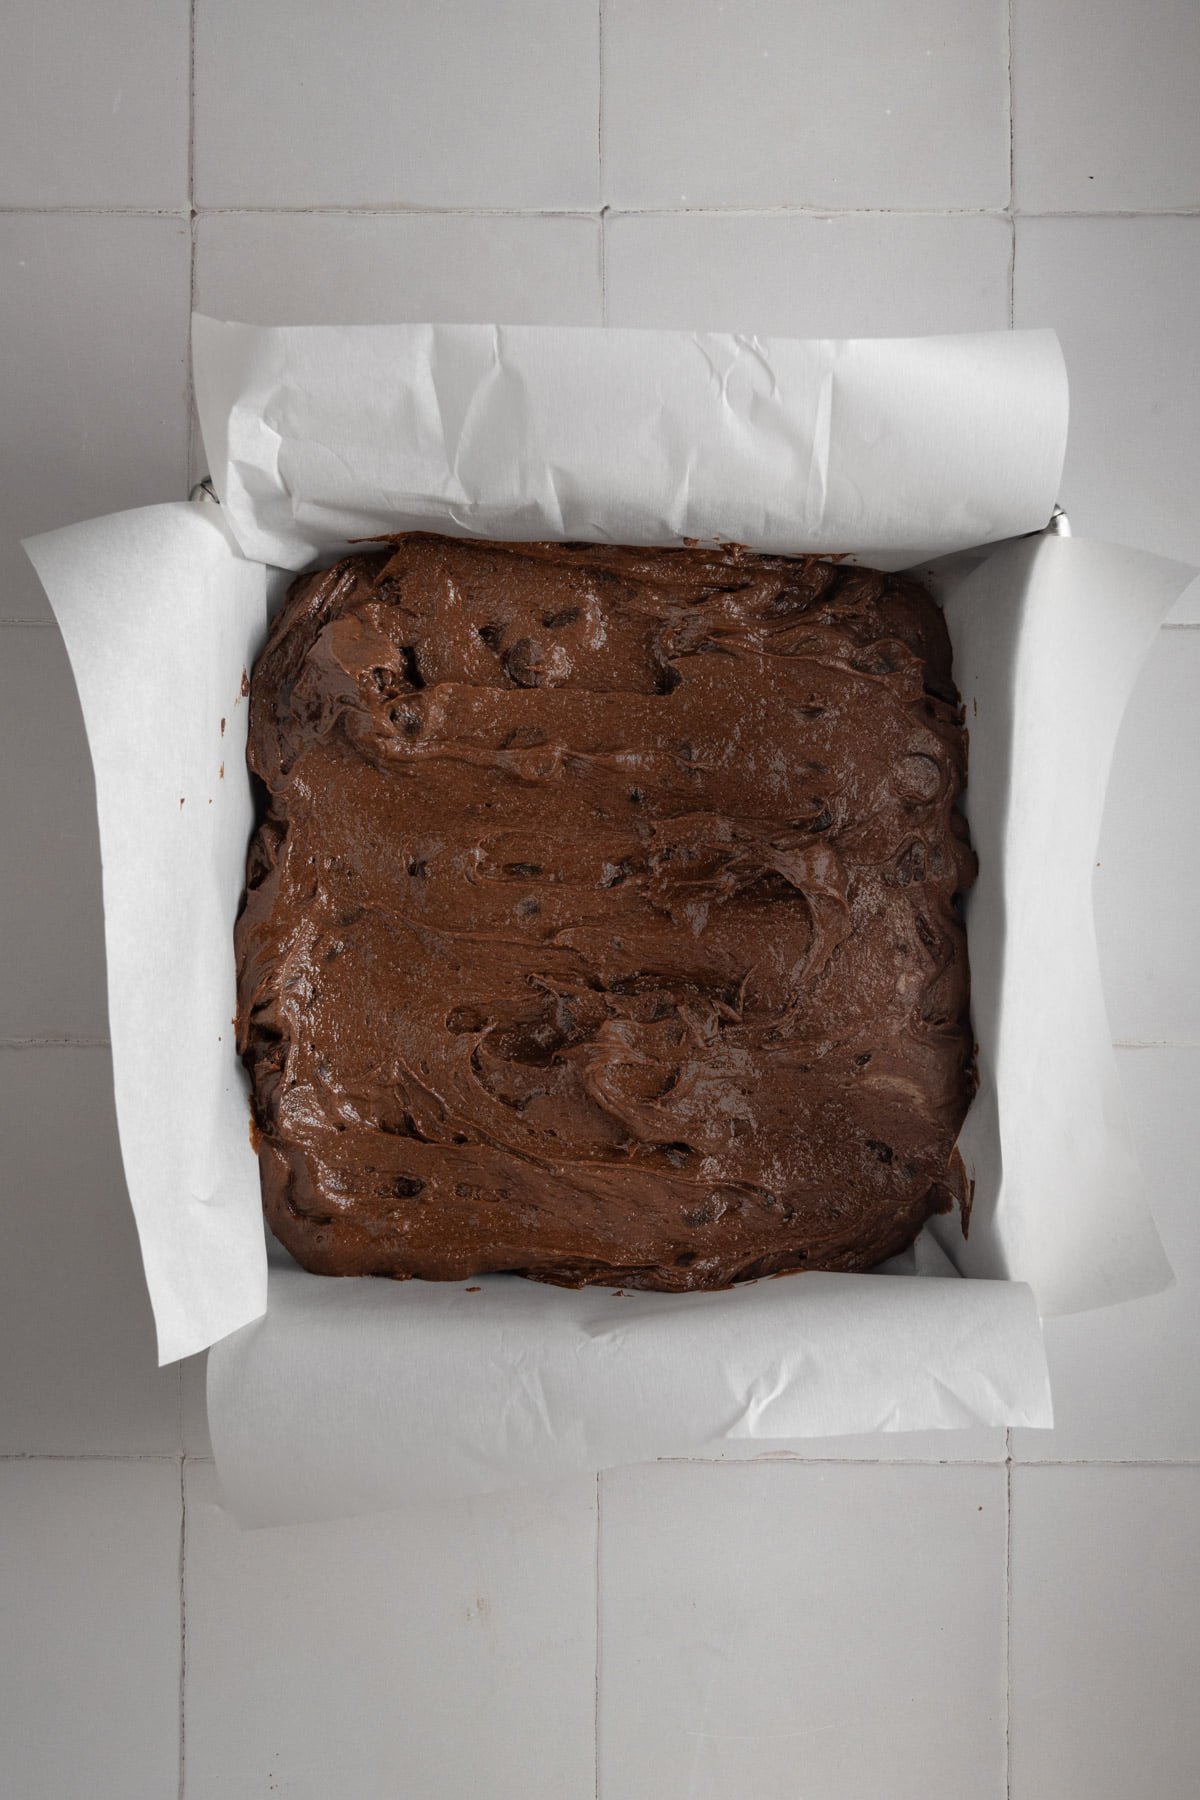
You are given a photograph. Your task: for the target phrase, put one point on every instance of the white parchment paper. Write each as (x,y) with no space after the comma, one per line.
(361,1398)
(162,618)
(339,1396)
(890,449)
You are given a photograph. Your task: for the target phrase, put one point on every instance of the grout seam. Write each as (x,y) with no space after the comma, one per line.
(191,113)
(418,210)
(789,1459)
(106,1456)
(94,212)
(796,1458)
(600,104)
(1156,1043)
(1012,221)
(1012,136)
(1008,1585)
(600,162)
(190,383)
(1012,198)
(384,209)
(596,1701)
(55,1041)
(182,1623)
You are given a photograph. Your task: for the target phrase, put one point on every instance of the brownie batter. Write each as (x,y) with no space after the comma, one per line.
(602,924)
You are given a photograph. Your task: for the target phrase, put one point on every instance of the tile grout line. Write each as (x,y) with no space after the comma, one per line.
(419,210)
(797,1459)
(189,399)
(94,212)
(182,1620)
(171,1456)
(770,209)
(596,1700)
(1008,1469)
(600,106)
(1156,1043)
(191,108)
(52,1040)
(789,1460)
(1011,208)
(600,162)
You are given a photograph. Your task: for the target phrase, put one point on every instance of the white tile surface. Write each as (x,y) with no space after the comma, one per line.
(79,1373)
(1104,99)
(793,275)
(89,1651)
(1149,853)
(50,902)
(94,321)
(368,105)
(334,269)
(1105,1633)
(831,1632)
(1126,1381)
(94,104)
(433,1653)
(774,104)
(1121,294)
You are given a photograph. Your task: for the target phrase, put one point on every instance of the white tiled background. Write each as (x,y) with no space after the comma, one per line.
(954,1616)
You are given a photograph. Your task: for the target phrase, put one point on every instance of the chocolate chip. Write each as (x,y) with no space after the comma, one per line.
(412,672)
(522,663)
(462,1020)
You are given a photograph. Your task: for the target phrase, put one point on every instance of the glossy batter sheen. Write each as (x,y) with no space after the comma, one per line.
(602,924)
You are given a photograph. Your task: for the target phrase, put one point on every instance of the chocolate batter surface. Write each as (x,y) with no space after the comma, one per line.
(602,924)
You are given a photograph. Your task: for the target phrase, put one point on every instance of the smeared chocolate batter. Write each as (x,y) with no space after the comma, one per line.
(602,922)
